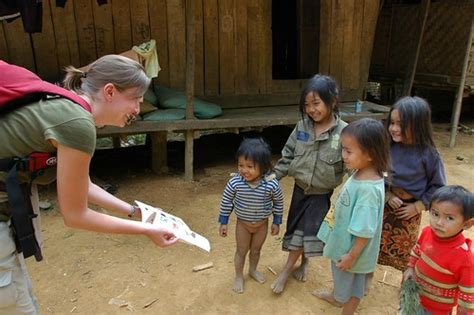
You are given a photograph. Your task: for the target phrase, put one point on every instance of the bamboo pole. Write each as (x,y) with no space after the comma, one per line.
(458,102)
(190,43)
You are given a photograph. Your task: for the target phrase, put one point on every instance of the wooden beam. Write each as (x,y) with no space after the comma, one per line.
(459,95)
(190,64)
(411,69)
(159,152)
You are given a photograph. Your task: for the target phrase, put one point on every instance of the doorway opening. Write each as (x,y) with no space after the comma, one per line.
(295,39)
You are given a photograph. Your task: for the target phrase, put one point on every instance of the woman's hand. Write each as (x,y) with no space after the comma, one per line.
(275,229)
(223,230)
(406,211)
(395,202)
(160,236)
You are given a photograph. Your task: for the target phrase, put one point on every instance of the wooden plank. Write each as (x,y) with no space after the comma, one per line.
(3,44)
(199,50)
(104,29)
(211,47)
(348,61)
(254,100)
(411,69)
(140,21)
(325,37)
(253,46)
(284,86)
(226,47)
(64,25)
(241,57)
(177,43)
(353,79)
(243,118)
(337,40)
(85,31)
(268,15)
(122,25)
(264,21)
(369,26)
(159,32)
(19,45)
(44,46)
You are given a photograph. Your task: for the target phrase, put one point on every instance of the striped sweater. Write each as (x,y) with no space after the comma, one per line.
(444,270)
(252,203)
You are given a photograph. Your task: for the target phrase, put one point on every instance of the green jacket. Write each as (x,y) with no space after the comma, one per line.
(315,163)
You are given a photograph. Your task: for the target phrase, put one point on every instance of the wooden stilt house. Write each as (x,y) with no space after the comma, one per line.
(252,57)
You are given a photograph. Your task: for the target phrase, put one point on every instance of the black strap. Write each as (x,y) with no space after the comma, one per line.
(22,215)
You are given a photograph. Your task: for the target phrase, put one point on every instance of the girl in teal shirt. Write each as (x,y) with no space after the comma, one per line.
(351,230)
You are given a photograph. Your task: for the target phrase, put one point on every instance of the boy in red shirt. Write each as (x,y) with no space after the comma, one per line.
(442,262)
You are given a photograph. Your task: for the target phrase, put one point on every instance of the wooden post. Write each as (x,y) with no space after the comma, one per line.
(159,150)
(190,43)
(458,102)
(411,69)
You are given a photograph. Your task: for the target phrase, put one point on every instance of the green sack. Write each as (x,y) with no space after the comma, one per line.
(165,114)
(150,97)
(170,98)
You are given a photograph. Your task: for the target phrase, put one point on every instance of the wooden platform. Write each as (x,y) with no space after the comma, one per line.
(242,118)
(232,120)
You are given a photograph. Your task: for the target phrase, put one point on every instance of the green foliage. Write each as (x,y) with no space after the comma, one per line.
(410,298)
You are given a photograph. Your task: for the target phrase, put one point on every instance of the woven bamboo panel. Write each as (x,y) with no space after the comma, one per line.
(405,21)
(445,38)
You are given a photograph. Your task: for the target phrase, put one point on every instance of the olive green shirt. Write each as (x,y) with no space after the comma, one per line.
(28,129)
(314,162)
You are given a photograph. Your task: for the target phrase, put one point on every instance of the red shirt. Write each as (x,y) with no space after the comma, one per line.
(444,270)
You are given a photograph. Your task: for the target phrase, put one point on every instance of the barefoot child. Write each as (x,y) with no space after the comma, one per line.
(254,194)
(312,156)
(417,171)
(442,261)
(351,230)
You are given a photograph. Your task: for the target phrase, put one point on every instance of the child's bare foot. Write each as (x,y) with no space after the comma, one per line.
(257,276)
(279,283)
(327,296)
(239,285)
(300,273)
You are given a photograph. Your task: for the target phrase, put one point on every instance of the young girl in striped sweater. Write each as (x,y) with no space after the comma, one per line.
(254,195)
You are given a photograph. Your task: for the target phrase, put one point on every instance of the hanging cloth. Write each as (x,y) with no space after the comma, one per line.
(147,51)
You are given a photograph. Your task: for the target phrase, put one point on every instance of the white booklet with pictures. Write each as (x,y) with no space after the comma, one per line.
(176,225)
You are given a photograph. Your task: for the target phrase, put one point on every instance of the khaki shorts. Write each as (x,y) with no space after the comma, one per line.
(16,295)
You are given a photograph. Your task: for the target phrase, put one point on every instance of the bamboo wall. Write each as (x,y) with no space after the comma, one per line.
(444,41)
(233,41)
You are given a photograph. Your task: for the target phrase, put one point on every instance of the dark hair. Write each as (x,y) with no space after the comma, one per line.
(373,139)
(258,151)
(415,120)
(326,87)
(459,196)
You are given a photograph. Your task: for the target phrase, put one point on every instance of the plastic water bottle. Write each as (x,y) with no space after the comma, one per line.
(358,106)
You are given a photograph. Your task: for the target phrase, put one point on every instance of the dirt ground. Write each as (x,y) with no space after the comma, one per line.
(91,273)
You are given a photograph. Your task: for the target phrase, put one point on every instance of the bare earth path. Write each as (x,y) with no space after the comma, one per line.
(82,272)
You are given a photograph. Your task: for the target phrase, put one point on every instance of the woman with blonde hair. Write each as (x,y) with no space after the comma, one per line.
(113,86)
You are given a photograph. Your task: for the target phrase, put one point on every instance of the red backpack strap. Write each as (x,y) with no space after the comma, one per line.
(17,82)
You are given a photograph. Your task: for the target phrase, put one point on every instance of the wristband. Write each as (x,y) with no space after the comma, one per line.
(133,209)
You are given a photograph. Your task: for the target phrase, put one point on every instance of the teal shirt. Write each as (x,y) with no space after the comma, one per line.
(358,212)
